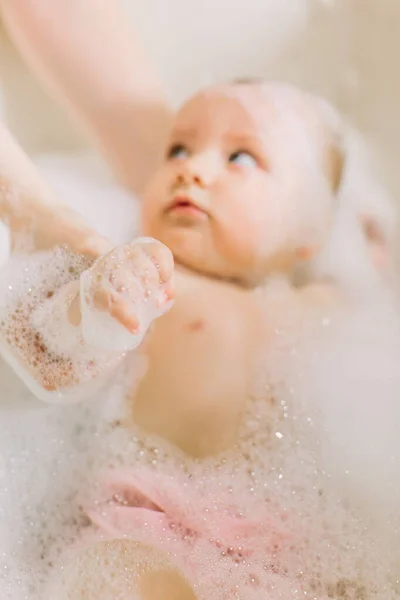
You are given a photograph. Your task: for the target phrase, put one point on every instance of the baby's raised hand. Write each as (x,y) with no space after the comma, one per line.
(124,291)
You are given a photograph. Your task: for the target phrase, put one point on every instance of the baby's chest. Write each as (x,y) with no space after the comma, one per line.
(196,382)
(199,338)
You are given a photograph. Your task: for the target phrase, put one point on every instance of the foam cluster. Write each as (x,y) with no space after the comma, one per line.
(36,337)
(312,540)
(315,467)
(264,520)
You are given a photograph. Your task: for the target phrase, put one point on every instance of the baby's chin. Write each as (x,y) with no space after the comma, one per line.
(194,250)
(217,268)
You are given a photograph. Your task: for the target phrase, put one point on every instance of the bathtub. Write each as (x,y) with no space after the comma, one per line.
(346,50)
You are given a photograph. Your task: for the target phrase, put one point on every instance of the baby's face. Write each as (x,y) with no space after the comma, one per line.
(223,201)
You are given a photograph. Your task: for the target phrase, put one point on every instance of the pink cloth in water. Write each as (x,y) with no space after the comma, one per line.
(204,533)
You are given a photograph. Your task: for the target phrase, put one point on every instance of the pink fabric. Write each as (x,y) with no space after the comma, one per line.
(204,534)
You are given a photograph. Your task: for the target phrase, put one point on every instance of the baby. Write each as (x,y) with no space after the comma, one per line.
(246,201)
(247,192)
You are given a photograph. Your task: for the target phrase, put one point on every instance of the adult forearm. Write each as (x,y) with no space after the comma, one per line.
(35,216)
(87,53)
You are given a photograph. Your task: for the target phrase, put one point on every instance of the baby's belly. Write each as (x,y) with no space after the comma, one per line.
(195,386)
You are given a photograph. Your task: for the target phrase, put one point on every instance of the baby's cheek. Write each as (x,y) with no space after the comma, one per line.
(242,231)
(252,226)
(148,212)
(245,241)
(156,191)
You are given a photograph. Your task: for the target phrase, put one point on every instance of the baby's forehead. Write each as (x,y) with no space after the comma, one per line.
(290,124)
(260,106)
(246,101)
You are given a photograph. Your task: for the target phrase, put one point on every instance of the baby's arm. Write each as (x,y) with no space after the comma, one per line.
(86,51)
(37,221)
(60,332)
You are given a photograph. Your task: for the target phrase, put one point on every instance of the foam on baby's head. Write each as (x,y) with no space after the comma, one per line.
(296,141)
(361,247)
(303,142)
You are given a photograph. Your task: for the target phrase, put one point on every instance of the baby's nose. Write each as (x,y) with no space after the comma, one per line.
(187,179)
(198,170)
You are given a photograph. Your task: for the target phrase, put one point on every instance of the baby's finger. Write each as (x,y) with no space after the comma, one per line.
(169,290)
(147,273)
(101,299)
(126,283)
(122,311)
(165,298)
(162,258)
(119,309)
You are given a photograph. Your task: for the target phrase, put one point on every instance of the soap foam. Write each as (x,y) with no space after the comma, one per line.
(36,338)
(318,543)
(340,548)
(130,274)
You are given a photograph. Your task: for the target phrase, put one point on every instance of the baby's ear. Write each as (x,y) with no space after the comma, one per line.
(336,162)
(334,145)
(377,243)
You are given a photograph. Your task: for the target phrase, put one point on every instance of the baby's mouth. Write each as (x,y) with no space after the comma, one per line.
(184,207)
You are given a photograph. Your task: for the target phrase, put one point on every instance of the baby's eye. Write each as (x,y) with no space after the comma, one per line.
(178,151)
(243,159)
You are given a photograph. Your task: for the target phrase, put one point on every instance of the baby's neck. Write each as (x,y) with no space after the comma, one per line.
(271,280)
(185,269)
